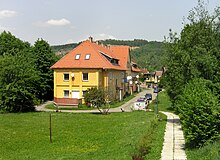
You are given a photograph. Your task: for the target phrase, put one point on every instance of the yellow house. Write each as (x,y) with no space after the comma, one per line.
(90,65)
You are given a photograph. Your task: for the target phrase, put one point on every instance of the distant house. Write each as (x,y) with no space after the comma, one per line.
(157,76)
(91,65)
(135,72)
(152,78)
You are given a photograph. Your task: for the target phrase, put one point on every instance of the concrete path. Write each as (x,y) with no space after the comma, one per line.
(125,107)
(174,143)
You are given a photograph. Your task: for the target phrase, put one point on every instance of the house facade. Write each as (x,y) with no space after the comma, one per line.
(91,65)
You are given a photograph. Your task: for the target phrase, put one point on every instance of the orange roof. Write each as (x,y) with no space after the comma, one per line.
(133,69)
(97,57)
(122,52)
(158,73)
(145,71)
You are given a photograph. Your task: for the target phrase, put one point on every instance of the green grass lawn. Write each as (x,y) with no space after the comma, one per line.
(208,152)
(77,136)
(164,103)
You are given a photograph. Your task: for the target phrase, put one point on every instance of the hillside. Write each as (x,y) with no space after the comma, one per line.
(147,54)
(63,49)
(150,56)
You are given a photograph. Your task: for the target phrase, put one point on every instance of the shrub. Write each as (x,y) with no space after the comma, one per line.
(198,108)
(99,98)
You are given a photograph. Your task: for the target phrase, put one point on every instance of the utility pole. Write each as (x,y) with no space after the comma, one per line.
(50,130)
(157,98)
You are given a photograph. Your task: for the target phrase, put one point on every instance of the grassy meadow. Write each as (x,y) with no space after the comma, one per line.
(77,136)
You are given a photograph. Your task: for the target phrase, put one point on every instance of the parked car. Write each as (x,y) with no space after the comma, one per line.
(141,99)
(157,90)
(140,104)
(148,96)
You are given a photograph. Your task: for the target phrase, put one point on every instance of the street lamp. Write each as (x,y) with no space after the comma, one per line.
(157,98)
(137,76)
(130,82)
(129,79)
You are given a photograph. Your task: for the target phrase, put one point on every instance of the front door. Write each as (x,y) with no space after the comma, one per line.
(75,94)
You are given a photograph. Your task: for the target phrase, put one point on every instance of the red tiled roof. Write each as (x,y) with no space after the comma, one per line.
(133,69)
(158,73)
(145,71)
(122,52)
(97,60)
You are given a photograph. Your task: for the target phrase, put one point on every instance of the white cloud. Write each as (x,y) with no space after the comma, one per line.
(105,36)
(58,22)
(7,14)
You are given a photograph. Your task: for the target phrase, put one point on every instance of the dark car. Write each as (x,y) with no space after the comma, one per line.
(157,90)
(148,96)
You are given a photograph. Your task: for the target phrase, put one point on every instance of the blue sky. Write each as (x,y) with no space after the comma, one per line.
(66,21)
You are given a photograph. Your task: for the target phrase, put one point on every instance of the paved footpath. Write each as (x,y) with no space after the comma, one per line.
(174,143)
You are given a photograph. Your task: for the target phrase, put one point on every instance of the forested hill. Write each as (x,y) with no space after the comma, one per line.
(131,43)
(63,49)
(150,56)
(147,54)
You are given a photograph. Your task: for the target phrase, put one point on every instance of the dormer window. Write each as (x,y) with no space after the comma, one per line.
(77,56)
(87,56)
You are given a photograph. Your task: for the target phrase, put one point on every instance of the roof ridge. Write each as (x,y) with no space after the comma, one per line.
(97,51)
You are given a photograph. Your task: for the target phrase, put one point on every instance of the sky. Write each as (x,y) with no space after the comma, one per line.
(67,21)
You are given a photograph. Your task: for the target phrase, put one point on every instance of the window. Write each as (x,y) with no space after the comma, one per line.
(84,92)
(87,56)
(66,76)
(77,56)
(85,77)
(66,93)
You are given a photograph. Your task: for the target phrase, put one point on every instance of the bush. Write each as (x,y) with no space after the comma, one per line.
(94,94)
(198,108)
(99,98)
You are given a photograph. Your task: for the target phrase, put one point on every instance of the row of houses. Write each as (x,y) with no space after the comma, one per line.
(91,64)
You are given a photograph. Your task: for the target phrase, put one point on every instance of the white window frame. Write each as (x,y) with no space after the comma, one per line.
(85,80)
(65,96)
(87,56)
(77,57)
(64,76)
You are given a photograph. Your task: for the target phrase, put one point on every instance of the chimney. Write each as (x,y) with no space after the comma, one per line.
(91,39)
(97,42)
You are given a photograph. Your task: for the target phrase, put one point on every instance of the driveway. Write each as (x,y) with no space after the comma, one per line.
(125,107)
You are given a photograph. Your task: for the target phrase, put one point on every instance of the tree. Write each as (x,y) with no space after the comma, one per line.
(9,44)
(192,78)
(98,97)
(193,54)
(199,113)
(25,74)
(17,83)
(44,59)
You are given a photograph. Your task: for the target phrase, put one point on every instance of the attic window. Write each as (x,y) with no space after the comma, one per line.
(77,56)
(87,56)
